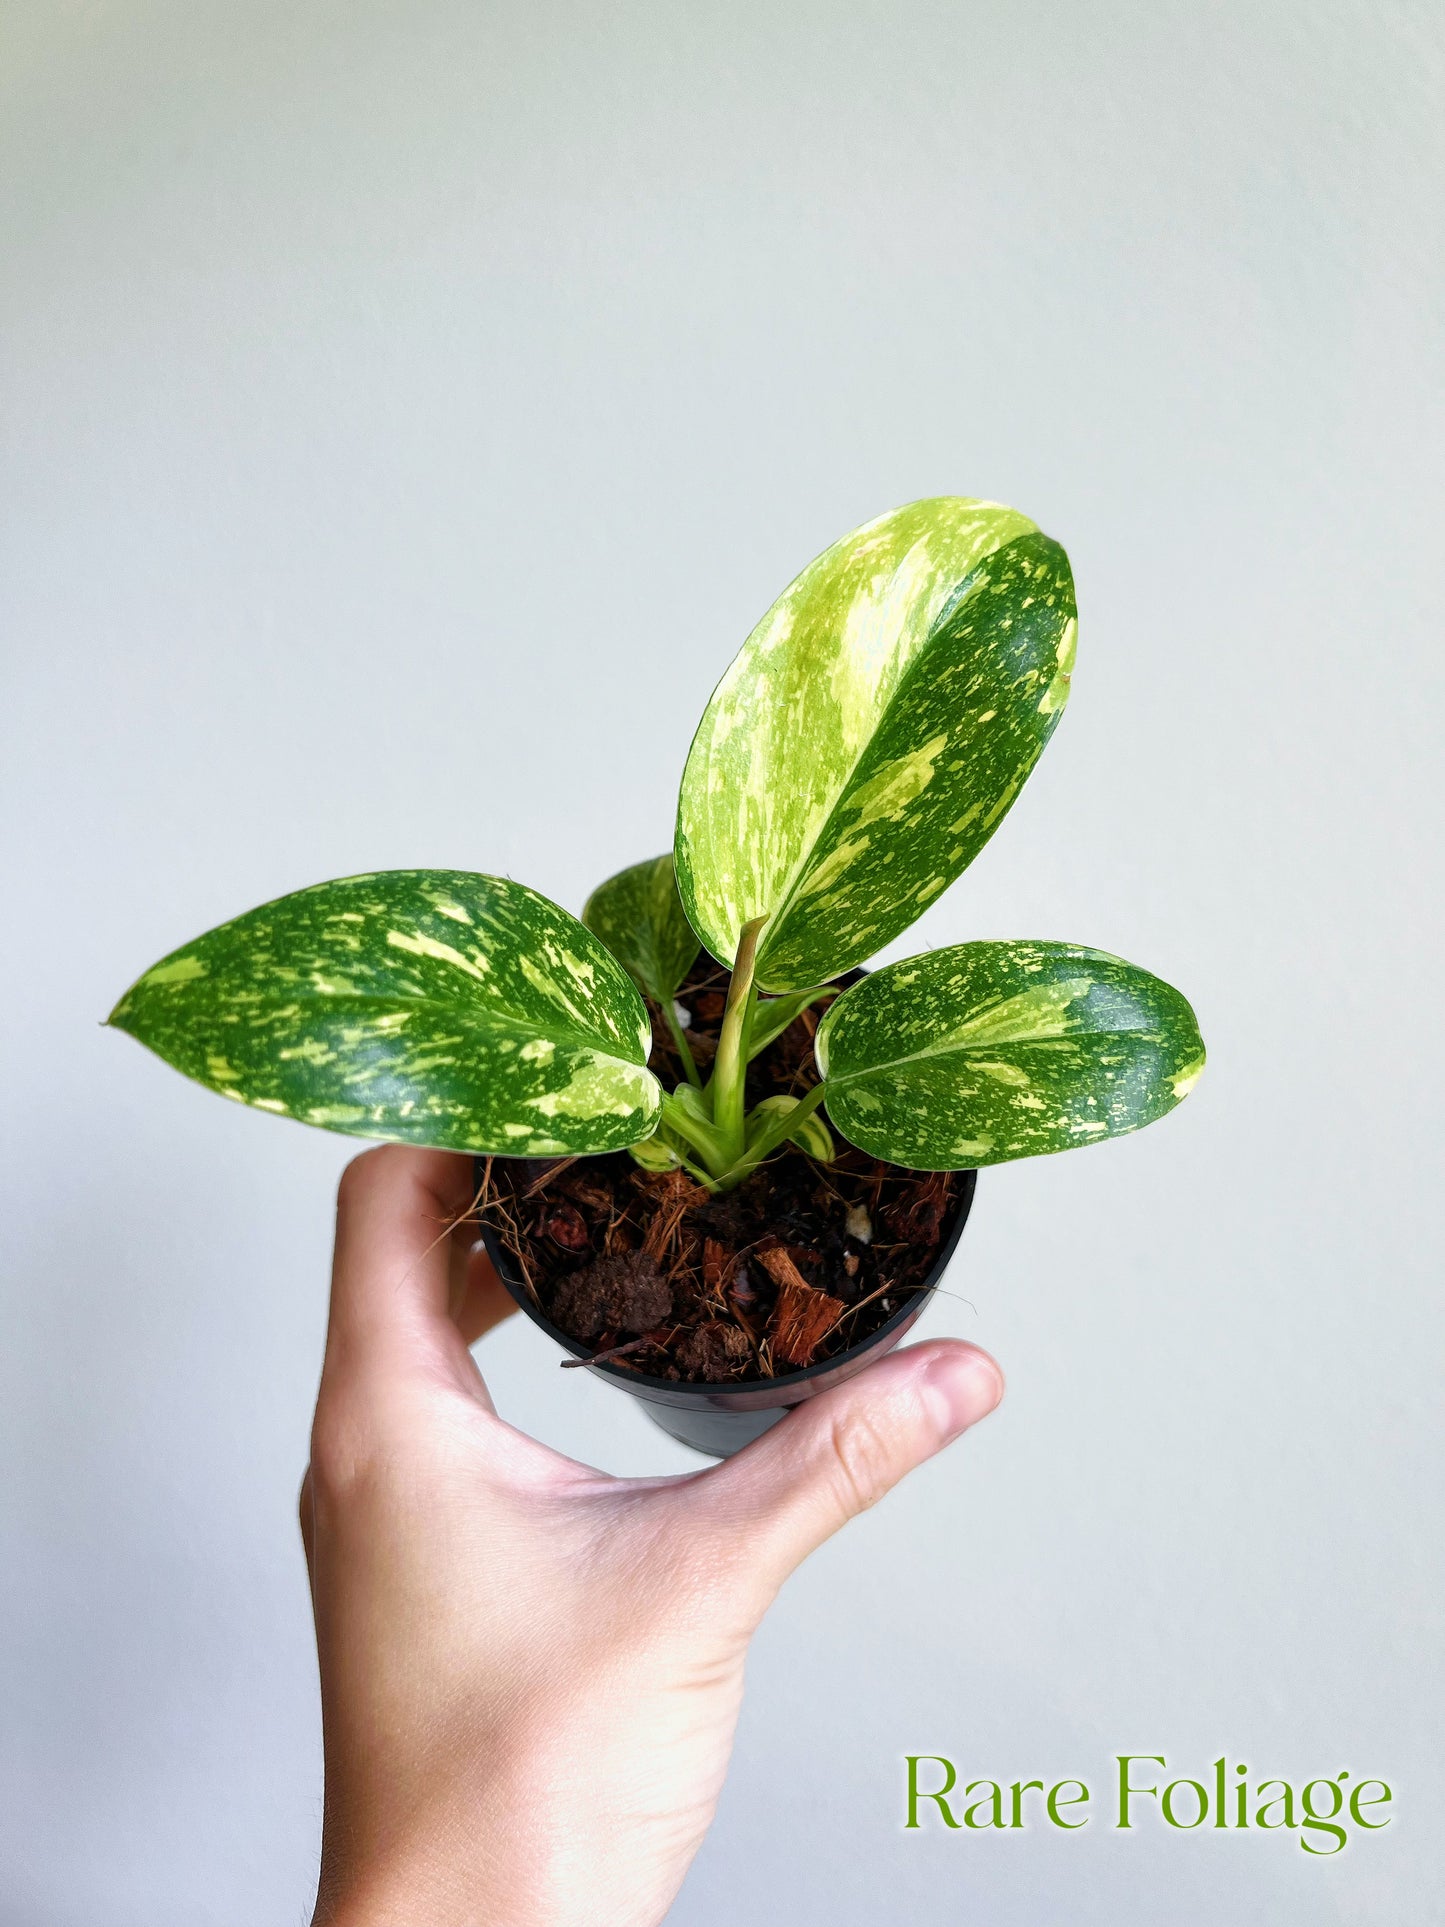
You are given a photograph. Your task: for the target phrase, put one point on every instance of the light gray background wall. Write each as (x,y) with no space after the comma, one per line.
(408,411)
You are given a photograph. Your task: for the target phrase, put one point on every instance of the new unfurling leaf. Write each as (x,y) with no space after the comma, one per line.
(803,1127)
(774,1014)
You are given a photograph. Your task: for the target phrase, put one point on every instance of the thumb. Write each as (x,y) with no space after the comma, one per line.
(837,1454)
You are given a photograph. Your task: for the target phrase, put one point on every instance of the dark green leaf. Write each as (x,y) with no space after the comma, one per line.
(427,1006)
(639,916)
(988,1051)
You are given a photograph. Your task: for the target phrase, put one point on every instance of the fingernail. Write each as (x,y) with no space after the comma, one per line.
(960,1388)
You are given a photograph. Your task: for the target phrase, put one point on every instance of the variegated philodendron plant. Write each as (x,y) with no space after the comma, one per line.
(864,746)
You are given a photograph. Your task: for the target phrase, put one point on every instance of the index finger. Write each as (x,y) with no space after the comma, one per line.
(392,1280)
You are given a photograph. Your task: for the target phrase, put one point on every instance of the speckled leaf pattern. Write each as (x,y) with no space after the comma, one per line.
(426,1006)
(639,916)
(871,733)
(984,1052)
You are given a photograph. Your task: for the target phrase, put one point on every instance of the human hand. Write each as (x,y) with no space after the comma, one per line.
(530,1671)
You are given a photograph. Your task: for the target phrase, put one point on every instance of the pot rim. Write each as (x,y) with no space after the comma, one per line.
(683,1388)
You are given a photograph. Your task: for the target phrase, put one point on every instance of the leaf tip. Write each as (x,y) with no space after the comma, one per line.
(1184,1080)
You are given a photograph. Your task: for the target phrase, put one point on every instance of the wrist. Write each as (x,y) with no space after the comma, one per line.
(469,1881)
(389,1900)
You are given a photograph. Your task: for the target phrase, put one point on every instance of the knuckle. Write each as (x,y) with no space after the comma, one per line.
(862,1460)
(362,1171)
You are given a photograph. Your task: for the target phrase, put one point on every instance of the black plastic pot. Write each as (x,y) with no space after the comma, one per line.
(720,1419)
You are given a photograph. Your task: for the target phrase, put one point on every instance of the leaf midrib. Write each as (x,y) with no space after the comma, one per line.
(997,1053)
(507,1018)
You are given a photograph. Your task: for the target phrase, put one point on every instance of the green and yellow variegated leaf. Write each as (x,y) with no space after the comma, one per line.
(426,1006)
(871,733)
(988,1051)
(639,916)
